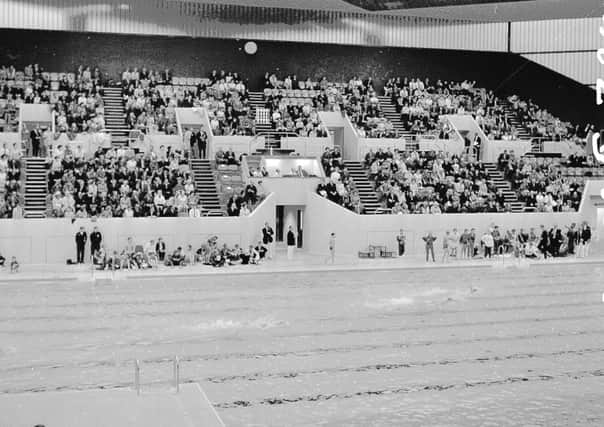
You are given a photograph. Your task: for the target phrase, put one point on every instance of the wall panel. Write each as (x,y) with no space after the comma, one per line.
(556,35)
(580,66)
(188,18)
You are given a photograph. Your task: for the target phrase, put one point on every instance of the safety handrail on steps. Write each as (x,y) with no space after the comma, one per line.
(175,375)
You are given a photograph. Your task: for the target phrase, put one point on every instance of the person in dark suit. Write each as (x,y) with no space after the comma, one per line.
(36,137)
(81,237)
(95,241)
(267,239)
(193,144)
(544,242)
(160,249)
(291,243)
(571,234)
(202,142)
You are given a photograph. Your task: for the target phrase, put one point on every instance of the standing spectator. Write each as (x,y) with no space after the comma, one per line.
(429,239)
(544,242)
(571,234)
(472,243)
(36,137)
(464,240)
(455,240)
(202,143)
(267,239)
(401,242)
(488,242)
(585,239)
(95,241)
(160,249)
(446,248)
(80,239)
(291,243)
(332,248)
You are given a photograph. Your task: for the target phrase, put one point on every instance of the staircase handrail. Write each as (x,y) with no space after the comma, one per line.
(207,212)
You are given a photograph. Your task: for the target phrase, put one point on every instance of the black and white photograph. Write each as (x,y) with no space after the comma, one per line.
(301,213)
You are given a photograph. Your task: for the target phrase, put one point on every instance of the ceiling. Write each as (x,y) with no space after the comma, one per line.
(494,10)
(377,5)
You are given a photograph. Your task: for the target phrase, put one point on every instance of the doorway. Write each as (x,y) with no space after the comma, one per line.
(287,216)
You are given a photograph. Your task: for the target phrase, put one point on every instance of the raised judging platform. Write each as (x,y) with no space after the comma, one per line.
(117,408)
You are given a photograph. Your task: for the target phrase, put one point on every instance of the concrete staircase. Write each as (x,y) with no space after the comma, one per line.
(388,108)
(205,186)
(496,177)
(364,186)
(36,187)
(263,122)
(115,115)
(523,133)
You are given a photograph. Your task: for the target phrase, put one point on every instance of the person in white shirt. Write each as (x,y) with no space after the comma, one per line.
(195,212)
(488,242)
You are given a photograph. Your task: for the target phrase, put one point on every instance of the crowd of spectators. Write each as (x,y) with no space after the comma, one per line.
(540,183)
(339,186)
(357,98)
(539,122)
(242,204)
(76,97)
(292,106)
(430,182)
(420,102)
(150,99)
(537,243)
(10,186)
(120,183)
(154,253)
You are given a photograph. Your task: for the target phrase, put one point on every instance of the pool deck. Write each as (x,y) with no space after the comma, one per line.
(119,407)
(303,263)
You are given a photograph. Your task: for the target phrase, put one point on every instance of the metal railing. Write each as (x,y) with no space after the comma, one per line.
(175,375)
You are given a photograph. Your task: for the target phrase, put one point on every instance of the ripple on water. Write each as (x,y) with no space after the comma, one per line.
(229,324)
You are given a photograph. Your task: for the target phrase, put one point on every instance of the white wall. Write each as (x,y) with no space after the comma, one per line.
(196,19)
(356,232)
(307,146)
(451,146)
(492,149)
(556,35)
(288,191)
(239,144)
(567,46)
(366,144)
(42,241)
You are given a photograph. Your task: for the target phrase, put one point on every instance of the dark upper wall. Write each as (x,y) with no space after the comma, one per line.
(57,51)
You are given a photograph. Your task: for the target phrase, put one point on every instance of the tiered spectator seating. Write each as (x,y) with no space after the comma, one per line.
(10,175)
(150,99)
(358,98)
(339,187)
(428,182)
(76,97)
(420,102)
(543,184)
(120,183)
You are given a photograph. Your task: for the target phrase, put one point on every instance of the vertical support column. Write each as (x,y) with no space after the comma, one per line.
(176,374)
(137,377)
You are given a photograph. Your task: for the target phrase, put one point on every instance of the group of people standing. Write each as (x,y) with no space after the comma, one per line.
(198,141)
(553,242)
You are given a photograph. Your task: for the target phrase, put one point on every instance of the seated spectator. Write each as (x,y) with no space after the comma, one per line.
(120,184)
(177,258)
(14,265)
